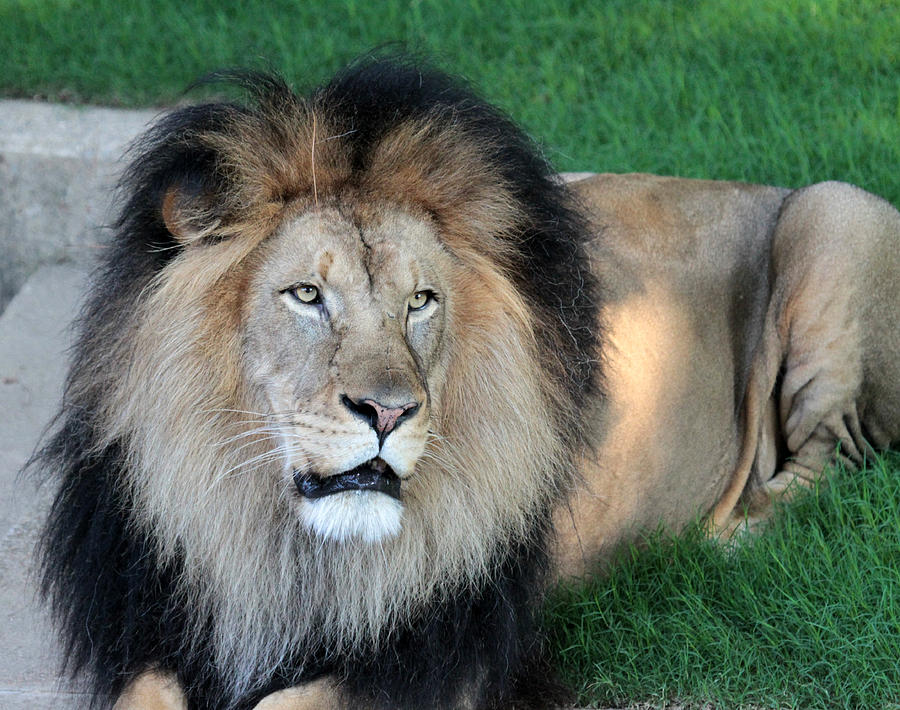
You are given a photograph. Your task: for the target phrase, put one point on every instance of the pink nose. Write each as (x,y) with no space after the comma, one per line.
(383,419)
(386,418)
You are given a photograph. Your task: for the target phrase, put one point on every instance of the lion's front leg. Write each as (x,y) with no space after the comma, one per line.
(152,691)
(160,691)
(318,695)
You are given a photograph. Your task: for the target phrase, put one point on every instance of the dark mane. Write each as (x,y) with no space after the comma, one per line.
(115,602)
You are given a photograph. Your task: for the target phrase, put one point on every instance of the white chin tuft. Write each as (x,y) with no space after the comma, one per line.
(367,515)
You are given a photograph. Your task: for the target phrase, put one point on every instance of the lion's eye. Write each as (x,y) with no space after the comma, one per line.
(419,300)
(306,293)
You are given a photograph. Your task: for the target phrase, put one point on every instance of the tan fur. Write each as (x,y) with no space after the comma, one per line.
(318,695)
(158,691)
(152,691)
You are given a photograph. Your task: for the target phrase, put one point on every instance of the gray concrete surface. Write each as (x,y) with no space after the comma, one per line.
(57,167)
(34,336)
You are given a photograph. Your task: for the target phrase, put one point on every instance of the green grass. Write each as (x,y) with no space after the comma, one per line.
(807,615)
(778,91)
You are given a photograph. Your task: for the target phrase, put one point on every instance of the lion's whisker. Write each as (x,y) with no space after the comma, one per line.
(271,455)
(262,432)
(246,411)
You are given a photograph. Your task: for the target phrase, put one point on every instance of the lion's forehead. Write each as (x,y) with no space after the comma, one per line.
(378,252)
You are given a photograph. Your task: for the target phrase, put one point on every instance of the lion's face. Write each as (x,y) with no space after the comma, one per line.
(344,342)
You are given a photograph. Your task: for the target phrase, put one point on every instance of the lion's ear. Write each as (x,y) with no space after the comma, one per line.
(189,213)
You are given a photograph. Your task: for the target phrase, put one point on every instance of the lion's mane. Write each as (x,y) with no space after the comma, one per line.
(155,557)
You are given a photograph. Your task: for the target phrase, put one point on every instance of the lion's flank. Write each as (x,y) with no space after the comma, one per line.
(145,570)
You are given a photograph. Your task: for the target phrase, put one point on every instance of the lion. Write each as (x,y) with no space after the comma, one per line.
(361,376)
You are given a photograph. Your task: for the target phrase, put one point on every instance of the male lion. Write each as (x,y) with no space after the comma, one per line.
(335,419)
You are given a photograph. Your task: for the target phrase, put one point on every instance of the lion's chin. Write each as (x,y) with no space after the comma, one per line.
(366,515)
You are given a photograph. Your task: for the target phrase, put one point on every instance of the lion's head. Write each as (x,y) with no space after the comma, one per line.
(339,350)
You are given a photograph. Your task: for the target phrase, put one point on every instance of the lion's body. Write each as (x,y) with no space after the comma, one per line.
(336,416)
(749,331)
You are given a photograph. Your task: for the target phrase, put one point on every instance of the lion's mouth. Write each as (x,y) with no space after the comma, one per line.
(374,475)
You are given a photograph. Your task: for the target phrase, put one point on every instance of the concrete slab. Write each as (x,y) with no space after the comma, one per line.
(34,338)
(58,165)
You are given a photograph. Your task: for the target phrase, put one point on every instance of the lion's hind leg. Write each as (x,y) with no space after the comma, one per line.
(836,311)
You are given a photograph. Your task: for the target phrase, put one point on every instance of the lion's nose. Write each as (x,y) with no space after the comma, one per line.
(381,417)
